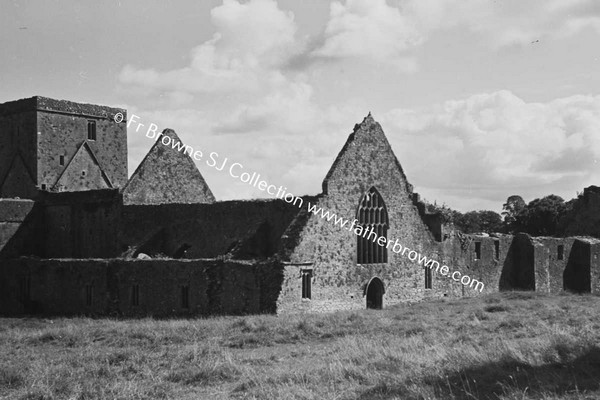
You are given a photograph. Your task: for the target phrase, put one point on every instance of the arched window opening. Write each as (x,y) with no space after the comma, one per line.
(373,218)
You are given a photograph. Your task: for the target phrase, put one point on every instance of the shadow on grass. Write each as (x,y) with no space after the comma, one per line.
(505,377)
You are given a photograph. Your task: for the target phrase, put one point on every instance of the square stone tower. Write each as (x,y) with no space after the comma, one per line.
(58,145)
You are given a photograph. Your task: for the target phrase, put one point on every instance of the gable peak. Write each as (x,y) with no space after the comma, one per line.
(367,122)
(170,133)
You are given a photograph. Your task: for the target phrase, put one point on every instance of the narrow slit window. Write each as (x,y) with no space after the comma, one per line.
(428,278)
(477,250)
(497,249)
(185,296)
(306,283)
(561,252)
(91,130)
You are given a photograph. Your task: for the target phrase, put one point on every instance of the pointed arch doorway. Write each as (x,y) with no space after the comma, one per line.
(375,291)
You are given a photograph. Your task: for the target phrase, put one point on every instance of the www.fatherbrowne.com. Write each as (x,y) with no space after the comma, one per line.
(382,241)
(235,171)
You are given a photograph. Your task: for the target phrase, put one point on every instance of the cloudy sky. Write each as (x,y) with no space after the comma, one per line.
(479,99)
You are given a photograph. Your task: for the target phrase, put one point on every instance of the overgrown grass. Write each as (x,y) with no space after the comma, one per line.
(519,345)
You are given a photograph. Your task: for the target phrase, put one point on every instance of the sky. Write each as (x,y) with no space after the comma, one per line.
(480,100)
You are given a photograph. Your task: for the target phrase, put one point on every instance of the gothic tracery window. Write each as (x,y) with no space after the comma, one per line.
(372,217)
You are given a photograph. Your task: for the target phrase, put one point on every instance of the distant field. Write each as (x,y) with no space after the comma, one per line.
(517,345)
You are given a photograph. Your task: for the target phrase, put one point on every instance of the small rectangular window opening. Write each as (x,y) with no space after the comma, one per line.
(306,283)
(61,160)
(91,130)
(477,250)
(497,249)
(185,296)
(135,295)
(89,295)
(561,252)
(428,278)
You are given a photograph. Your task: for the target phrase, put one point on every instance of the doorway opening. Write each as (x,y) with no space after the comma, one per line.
(375,292)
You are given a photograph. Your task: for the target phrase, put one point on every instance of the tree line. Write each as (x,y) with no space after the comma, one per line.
(546,216)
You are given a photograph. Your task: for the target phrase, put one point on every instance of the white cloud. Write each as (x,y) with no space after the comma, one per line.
(239,97)
(371,30)
(388,33)
(377,31)
(289,110)
(251,41)
(488,146)
(256,41)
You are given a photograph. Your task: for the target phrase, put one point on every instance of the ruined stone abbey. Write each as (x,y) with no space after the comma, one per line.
(78,237)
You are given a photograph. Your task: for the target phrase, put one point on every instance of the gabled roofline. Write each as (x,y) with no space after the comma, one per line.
(148,155)
(173,135)
(87,146)
(350,140)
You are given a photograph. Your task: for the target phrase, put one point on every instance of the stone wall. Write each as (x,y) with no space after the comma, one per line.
(120,287)
(63,134)
(168,175)
(338,282)
(18,147)
(95,227)
(19,227)
(84,172)
(550,277)
(210,230)
(36,132)
(95,224)
(595,264)
(15,210)
(581,274)
(328,252)
(521,262)
(459,254)
(81,224)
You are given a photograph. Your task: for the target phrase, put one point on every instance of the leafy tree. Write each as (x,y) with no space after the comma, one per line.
(491,221)
(470,222)
(582,216)
(479,221)
(513,206)
(449,216)
(541,216)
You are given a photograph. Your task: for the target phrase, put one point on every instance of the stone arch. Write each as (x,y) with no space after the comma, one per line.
(374,292)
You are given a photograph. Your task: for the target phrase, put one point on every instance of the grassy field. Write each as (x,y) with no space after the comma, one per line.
(515,345)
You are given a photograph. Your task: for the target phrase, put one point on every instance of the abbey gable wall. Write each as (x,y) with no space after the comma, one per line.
(330,252)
